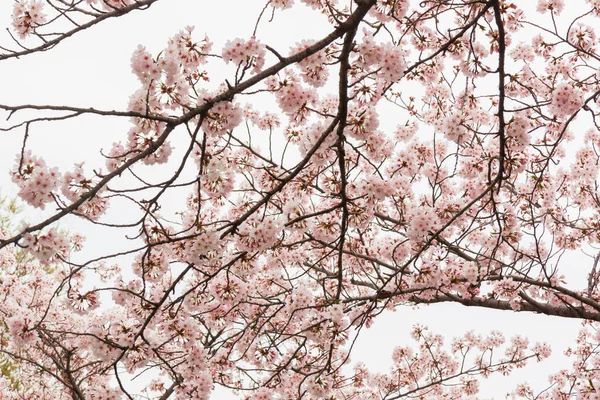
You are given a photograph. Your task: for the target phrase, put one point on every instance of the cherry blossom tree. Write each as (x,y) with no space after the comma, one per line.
(305,217)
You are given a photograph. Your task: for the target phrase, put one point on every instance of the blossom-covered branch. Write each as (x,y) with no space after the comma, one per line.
(418,153)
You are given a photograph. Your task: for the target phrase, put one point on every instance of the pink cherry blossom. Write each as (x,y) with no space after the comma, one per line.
(246,54)
(27,16)
(555,6)
(566,100)
(270,200)
(35,180)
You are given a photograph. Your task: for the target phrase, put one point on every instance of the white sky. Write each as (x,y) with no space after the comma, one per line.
(92,69)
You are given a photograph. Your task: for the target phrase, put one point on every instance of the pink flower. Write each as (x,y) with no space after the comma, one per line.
(75,185)
(566,100)
(222,117)
(185,52)
(554,6)
(282,4)
(293,98)
(583,36)
(386,58)
(49,247)
(20,328)
(314,68)
(27,15)
(262,394)
(250,53)
(111,5)
(144,66)
(36,181)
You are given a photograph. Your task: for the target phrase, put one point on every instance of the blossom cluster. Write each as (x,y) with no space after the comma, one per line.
(35,179)
(315,70)
(307,216)
(385,58)
(566,100)
(244,53)
(27,16)
(52,246)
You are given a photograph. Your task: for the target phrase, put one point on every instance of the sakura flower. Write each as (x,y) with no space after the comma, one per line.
(318,388)
(259,233)
(20,327)
(282,4)
(35,180)
(391,8)
(111,5)
(292,97)
(205,246)
(314,68)
(84,302)
(387,58)
(27,15)
(554,6)
(302,297)
(453,126)
(522,52)
(470,271)
(185,52)
(75,185)
(250,53)
(423,221)
(518,130)
(542,350)
(583,36)
(161,155)
(393,63)
(222,117)
(49,247)
(263,394)
(115,156)
(144,66)
(566,100)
